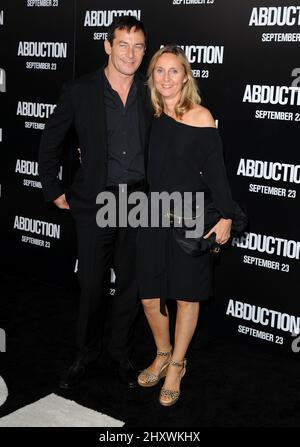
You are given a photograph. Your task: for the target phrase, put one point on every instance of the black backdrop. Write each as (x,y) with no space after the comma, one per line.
(245,56)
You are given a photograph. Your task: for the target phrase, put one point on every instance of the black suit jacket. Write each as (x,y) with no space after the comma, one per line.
(81,105)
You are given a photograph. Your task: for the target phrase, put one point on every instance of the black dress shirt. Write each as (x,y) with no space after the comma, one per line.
(125,152)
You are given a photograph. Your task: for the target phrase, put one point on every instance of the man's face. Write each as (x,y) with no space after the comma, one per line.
(127,51)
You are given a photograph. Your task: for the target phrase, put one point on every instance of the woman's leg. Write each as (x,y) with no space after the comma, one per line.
(186,322)
(159,325)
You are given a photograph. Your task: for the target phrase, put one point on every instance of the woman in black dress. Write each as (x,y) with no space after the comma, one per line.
(185,155)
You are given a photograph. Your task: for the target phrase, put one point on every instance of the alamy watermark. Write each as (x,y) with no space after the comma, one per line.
(3,387)
(296,342)
(157,209)
(2,340)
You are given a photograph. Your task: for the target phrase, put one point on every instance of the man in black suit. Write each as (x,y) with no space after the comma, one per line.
(108,109)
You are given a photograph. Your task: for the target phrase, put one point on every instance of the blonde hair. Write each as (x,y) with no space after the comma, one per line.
(189,94)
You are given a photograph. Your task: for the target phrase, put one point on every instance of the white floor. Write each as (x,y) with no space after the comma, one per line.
(55,411)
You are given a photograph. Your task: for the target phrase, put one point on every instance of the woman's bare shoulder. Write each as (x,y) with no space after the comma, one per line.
(199,116)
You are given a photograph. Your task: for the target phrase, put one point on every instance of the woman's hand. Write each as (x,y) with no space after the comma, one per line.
(222,230)
(61,202)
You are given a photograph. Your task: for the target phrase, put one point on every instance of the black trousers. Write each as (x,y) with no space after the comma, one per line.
(99,249)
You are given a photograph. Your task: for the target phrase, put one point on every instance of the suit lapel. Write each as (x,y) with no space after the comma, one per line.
(98,111)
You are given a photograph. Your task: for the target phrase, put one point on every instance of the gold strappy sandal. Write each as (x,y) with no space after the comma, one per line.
(147,379)
(173,395)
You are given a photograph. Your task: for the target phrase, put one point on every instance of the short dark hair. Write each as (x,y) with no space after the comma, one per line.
(125,22)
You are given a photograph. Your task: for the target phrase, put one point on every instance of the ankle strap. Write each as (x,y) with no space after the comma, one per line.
(179,364)
(164,353)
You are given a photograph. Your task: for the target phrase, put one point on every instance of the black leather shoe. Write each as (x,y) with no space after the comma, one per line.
(72,376)
(127,374)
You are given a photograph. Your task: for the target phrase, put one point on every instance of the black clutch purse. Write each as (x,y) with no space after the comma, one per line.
(198,246)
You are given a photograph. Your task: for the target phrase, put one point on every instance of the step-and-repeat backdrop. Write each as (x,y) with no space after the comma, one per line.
(245,56)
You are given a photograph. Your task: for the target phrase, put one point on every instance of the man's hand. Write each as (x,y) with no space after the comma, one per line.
(61,202)
(222,230)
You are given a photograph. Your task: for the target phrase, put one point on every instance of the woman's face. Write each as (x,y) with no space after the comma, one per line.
(169,76)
